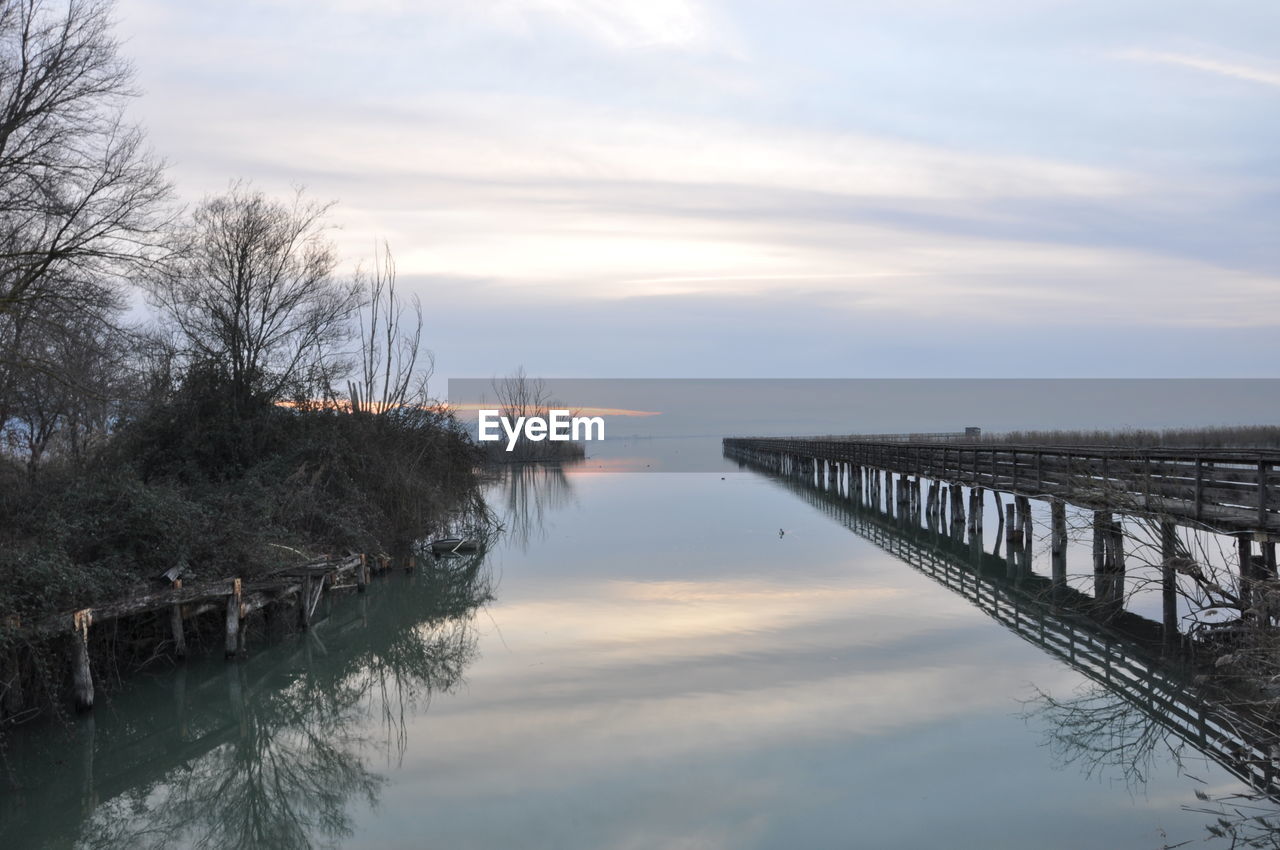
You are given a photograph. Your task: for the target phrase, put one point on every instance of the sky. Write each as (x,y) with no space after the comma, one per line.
(704,188)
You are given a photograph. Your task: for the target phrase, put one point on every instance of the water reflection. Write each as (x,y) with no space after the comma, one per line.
(528,493)
(1144,703)
(276,751)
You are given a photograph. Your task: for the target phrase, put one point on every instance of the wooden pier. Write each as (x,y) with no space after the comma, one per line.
(1231,491)
(1125,654)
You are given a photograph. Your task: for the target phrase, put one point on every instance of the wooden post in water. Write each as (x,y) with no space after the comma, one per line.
(232,645)
(978,509)
(957,510)
(1244,550)
(1101,519)
(175,625)
(1169,580)
(1025,530)
(1117,558)
(973,512)
(1058,542)
(81,674)
(362,575)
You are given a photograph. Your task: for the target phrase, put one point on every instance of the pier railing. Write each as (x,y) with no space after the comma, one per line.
(1226,490)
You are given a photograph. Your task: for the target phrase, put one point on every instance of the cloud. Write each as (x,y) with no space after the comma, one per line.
(627,24)
(1252,73)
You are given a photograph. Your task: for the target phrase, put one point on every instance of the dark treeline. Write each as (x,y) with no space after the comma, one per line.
(269,408)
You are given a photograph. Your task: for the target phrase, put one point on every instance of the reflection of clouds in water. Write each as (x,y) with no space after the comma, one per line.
(691,670)
(278,750)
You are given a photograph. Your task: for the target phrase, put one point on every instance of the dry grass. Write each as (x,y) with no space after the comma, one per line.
(1238,436)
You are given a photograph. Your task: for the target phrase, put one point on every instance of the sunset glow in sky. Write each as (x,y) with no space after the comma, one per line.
(673,188)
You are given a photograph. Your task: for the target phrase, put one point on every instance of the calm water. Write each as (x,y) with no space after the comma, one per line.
(657,668)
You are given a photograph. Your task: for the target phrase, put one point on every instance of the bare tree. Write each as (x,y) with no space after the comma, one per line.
(79,192)
(254,291)
(61,385)
(391,351)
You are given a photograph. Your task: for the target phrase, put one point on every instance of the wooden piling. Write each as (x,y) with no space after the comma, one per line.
(1244,551)
(362,575)
(1101,519)
(81,674)
(1169,580)
(973,512)
(1116,562)
(234,600)
(1025,531)
(175,625)
(957,510)
(1058,542)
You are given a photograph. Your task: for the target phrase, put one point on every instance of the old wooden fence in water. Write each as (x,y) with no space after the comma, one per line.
(298,587)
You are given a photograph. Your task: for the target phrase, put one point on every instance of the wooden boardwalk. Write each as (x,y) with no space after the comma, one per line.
(1231,491)
(1126,655)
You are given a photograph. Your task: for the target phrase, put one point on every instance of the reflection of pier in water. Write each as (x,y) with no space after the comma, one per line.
(1118,650)
(266,752)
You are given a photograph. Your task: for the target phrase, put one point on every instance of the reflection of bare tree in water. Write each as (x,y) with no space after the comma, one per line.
(531,491)
(276,757)
(1106,734)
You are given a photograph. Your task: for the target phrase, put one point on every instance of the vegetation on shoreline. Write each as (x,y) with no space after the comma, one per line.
(271,408)
(1226,437)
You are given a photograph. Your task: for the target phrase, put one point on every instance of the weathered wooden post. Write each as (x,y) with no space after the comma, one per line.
(1058,542)
(1169,580)
(362,575)
(81,674)
(1244,549)
(1025,530)
(175,625)
(1000,523)
(234,603)
(978,510)
(1108,561)
(1101,520)
(973,512)
(1011,539)
(1115,561)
